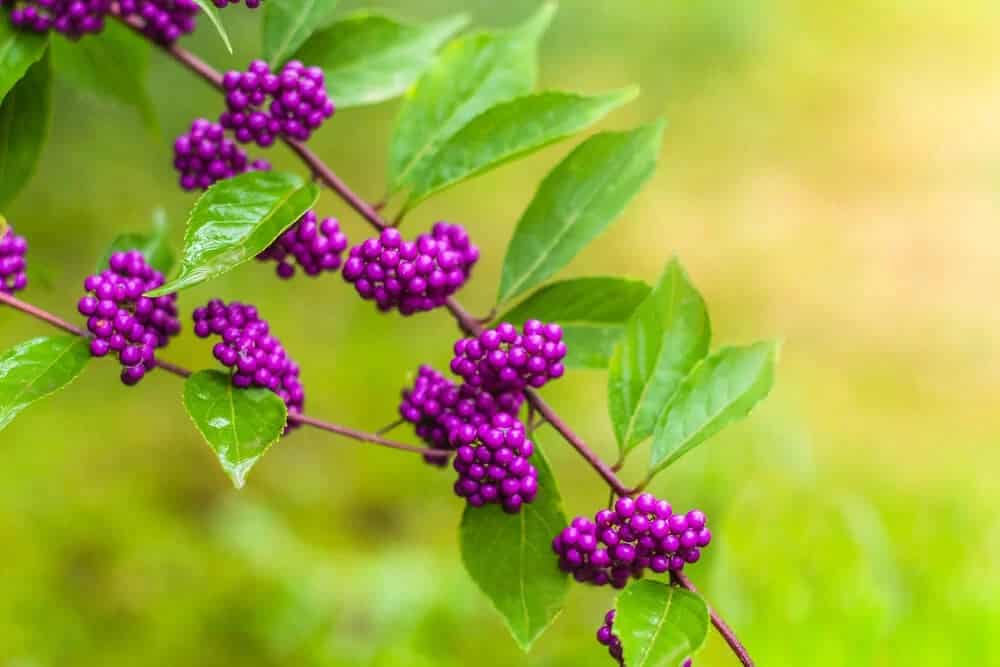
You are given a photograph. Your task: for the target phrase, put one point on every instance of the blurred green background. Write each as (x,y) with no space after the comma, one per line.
(831,177)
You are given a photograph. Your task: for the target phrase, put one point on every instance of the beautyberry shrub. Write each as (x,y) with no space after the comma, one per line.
(204,156)
(493,463)
(72,18)
(315,245)
(163,21)
(501,359)
(13,262)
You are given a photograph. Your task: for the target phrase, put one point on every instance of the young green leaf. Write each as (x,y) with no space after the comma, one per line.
(24,124)
(213,15)
(369,58)
(37,368)
(112,66)
(666,336)
(235,220)
(472,74)
(19,49)
(289,23)
(509,558)
(240,425)
(154,246)
(722,389)
(577,201)
(591,311)
(660,625)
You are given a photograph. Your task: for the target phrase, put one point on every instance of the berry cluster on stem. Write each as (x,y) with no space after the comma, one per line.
(13,262)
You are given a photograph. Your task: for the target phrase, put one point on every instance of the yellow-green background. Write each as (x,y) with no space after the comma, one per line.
(830,177)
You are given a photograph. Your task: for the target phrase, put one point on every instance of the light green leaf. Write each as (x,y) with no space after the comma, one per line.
(38,368)
(19,49)
(591,311)
(472,74)
(510,558)
(289,23)
(369,58)
(235,220)
(666,336)
(213,15)
(660,625)
(24,123)
(154,246)
(577,201)
(722,389)
(238,424)
(112,66)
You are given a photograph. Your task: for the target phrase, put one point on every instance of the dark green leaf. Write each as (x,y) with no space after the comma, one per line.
(37,368)
(238,424)
(24,124)
(577,201)
(473,73)
(591,311)
(213,15)
(289,23)
(722,389)
(369,58)
(19,49)
(660,625)
(235,220)
(510,558)
(508,131)
(112,66)
(666,336)
(154,246)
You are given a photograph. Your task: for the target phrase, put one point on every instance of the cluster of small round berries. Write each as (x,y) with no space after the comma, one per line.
(204,156)
(502,359)
(606,637)
(413,276)
(635,535)
(222,4)
(247,347)
(264,106)
(492,461)
(72,18)
(164,21)
(13,262)
(122,320)
(315,245)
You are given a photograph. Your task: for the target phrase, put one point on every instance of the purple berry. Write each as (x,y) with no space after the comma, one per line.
(501,473)
(72,18)
(502,360)
(203,156)
(164,21)
(13,262)
(222,4)
(316,246)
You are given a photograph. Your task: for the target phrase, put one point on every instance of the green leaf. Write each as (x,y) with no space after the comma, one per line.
(235,220)
(19,49)
(38,368)
(666,336)
(722,389)
(660,625)
(238,424)
(289,23)
(591,311)
(112,66)
(577,201)
(510,558)
(154,246)
(369,58)
(472,74)
(24,124)
(511,130)
(213,15)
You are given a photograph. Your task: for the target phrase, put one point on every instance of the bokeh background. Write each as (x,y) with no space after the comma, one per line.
(831,177)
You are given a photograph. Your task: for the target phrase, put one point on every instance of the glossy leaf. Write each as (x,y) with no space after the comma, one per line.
(19,49)
(722,389)
(38,368)
(369,58)
(213,15)
(666,336)
(289,23)
(238,424)
(511,130)
(510,558)
(235,220)
(24,123)
(472,74)
(591,311)
(154,246)
(577,201)
(660,625)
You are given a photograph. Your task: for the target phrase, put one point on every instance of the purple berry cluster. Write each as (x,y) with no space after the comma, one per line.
(124,321)
(164,21)
(72,18)
(248,348)
(315,245)
(606,637)
(413,276)
(13,262)
(204,156)
(222,4)
(502,360)
(492,461)
(264,106)
(635,535)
